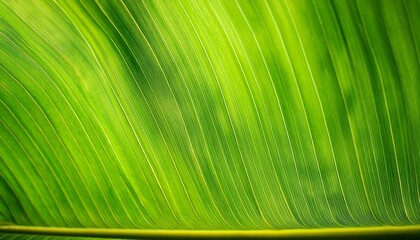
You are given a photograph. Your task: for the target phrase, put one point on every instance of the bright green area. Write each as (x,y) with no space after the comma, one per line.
(210,114)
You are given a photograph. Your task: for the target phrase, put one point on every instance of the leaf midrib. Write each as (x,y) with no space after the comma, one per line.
(412,230)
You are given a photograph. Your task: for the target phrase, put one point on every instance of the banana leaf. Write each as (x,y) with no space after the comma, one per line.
(209,118)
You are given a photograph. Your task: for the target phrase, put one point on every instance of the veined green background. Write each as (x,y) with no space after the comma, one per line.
(210,115)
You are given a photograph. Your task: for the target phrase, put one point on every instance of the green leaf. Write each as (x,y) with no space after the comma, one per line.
(210,115)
